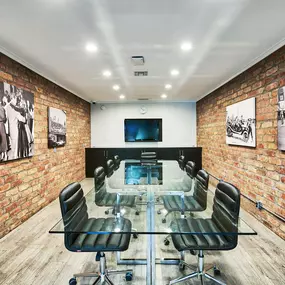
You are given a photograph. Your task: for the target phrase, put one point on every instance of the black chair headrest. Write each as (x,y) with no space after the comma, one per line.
(181,157)
(191,168)
(227,196)
(110,163)
(70,196)
(99,176)
(203,177)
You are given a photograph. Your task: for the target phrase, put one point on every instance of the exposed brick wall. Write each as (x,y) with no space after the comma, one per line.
(27,185)
(258,172)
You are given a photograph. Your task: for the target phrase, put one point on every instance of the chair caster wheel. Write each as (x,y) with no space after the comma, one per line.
(181,266)
(193,252)
(135,235)
(217,271)
(107,212)
(166,242)
(159,212)
(129,276)
(72,281)
(163,221)
(137,213)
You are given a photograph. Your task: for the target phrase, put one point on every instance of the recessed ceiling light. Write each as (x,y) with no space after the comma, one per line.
(107,73)
(186,46)
(174,72)
(168,86)
(122,96)
(91,47)
(163,96)
(116,87)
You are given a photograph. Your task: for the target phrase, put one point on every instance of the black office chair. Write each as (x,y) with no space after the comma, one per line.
(110,167)
(191,171)
(117,162)
(148,155)
(190,168)
(75,218)
(106,199)
(194,203)
(224,219)
(148,158)
(181,161)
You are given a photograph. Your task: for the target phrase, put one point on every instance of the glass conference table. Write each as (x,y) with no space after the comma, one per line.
(149,182)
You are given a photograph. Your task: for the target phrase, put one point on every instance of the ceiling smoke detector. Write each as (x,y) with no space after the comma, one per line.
(137,60)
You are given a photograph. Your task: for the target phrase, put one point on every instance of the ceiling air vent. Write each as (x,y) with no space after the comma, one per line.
(140,73)
(143,99)
(137,60)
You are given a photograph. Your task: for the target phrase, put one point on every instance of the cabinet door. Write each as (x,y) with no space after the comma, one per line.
(168,153)
(94,157)
(193,154)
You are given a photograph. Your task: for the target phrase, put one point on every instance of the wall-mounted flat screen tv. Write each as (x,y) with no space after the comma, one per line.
(143,130)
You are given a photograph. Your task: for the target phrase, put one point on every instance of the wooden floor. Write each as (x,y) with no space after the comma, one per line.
(31,256)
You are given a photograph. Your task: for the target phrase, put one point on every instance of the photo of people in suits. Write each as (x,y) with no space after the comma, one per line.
(16,122)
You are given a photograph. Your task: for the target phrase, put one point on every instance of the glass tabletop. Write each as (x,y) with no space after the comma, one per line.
(140,193)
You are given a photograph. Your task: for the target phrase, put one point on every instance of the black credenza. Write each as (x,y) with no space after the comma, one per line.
(95,157)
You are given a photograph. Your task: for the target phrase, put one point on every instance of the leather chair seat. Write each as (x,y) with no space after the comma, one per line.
(103,242)
(174,203)
(199,241)
(110,199)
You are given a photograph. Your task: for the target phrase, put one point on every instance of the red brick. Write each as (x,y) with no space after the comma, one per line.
(21,181)
(5,76)
(258,172)
(5,187)
(271,71)
(271,86)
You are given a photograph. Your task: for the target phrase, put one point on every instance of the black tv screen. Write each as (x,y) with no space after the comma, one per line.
(143,130)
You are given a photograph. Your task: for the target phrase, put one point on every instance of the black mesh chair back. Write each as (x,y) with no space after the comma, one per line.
(201,188)
(226,209)
(74,211)
(190,169)
(181,161)
(117,161)
(110,167)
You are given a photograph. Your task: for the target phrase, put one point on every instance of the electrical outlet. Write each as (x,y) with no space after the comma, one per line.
(258,205)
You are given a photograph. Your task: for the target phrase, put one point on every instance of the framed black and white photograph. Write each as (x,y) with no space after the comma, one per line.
(56,127)
(280,118)
(16,122)
(240,123)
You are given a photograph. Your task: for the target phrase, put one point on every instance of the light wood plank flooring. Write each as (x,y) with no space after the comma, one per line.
(31,256)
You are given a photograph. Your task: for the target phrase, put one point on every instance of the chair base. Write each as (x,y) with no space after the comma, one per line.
(103,275)
(200,273)
(166,213)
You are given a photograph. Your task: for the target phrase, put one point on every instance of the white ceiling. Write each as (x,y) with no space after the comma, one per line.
(49,36)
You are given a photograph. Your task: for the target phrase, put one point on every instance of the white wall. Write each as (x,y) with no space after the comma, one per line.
(178,124)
